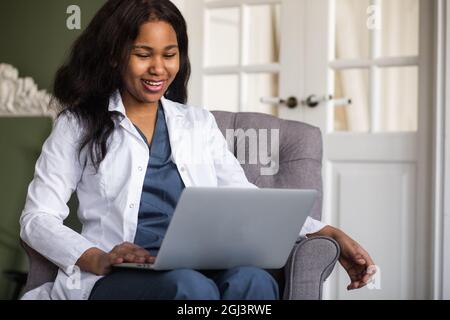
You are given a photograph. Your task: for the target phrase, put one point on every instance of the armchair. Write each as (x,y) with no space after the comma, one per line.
(300,154)
(299,162)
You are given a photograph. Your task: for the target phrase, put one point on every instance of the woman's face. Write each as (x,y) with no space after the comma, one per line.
(153,65)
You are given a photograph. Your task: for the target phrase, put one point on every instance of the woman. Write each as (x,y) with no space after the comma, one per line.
(120,143)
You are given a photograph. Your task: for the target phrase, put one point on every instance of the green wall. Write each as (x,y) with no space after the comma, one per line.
(34,39)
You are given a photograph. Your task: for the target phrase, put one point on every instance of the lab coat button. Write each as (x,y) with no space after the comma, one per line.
(132,206)
(140,168)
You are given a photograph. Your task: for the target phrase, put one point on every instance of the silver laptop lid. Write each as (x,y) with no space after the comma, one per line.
(220,228)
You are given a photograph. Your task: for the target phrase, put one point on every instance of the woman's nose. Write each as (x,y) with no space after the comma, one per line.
(157,66)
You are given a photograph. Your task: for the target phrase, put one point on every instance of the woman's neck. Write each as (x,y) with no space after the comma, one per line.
(136,109)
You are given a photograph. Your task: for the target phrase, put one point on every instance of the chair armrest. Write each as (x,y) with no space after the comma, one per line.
(311,262)
(40,269)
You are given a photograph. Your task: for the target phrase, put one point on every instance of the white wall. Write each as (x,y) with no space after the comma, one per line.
(180,4)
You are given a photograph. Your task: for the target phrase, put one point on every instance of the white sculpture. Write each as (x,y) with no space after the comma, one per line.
(20,96)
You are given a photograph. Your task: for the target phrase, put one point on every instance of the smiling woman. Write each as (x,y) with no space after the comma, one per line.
(131,40)
(124,141)
(122,92)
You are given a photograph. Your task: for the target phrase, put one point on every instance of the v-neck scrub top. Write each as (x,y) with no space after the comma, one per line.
(161,190)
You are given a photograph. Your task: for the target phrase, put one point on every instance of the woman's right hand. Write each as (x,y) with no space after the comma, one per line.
(99,262)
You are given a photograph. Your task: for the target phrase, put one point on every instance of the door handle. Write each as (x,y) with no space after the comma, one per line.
(291,102)
(313,100)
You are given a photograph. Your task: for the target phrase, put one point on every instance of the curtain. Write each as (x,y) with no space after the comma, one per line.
(398,86)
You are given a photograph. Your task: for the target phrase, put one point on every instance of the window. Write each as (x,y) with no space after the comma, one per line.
(376,64)
(241,55)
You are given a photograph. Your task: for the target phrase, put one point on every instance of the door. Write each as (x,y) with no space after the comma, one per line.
(376,151)
(373,53)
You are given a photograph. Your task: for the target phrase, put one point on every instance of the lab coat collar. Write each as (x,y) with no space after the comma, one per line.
(176,121)
(116,103)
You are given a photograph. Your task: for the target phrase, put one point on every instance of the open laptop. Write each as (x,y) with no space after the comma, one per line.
(221,228)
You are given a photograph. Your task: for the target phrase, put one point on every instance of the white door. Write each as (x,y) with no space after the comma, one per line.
(376,151)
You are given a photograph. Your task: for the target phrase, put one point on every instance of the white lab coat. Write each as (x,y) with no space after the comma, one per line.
(109,200)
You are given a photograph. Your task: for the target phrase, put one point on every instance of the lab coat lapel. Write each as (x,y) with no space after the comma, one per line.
(178,126)
(186,139)
(116,105)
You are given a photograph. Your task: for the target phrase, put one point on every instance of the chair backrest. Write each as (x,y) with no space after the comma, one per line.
(299,156)
(298,151)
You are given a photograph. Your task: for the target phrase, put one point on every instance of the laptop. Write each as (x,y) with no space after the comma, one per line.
(221,228)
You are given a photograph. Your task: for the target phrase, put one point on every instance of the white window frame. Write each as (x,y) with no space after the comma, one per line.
(195,12)
(373,64)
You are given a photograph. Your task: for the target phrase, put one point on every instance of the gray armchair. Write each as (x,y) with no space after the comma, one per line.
(300,155)
(299,158)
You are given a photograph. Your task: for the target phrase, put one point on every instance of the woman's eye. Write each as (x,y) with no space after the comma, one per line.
(142,55)
(170,55)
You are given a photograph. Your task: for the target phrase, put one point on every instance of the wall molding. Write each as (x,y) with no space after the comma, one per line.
(441,225)
(20,97)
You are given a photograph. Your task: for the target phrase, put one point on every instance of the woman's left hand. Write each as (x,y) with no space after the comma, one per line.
(354,259)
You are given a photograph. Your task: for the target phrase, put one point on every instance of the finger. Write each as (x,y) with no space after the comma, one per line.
(366,278)
(124,249)
(359,258)
(367,257)
(139,260)
(361,285)
(372,269)
(353,285)
(355,271)
(141,252)
(129,257)
(132,246)
(126,246)
(151,259)
(117,260)
(114,258)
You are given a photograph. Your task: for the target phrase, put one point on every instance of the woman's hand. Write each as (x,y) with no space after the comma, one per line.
(99,262)
(354,259)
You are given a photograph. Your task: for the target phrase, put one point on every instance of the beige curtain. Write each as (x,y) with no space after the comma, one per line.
(263,47)
(398,86)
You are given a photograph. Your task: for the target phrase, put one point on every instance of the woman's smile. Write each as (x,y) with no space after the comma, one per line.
(154,86)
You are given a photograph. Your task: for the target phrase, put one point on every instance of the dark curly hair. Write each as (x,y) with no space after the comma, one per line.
(99,57)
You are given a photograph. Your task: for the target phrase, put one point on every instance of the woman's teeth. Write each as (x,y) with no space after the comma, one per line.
(153,84)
